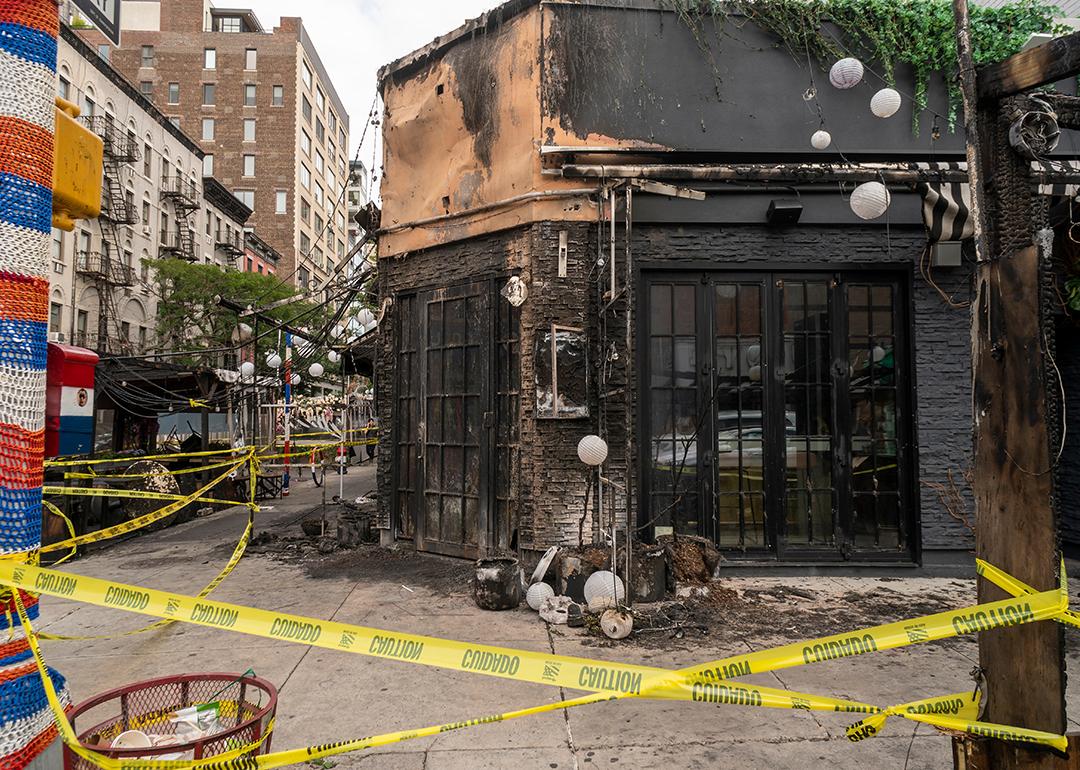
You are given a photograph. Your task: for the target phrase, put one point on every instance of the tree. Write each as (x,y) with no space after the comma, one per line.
(190,319)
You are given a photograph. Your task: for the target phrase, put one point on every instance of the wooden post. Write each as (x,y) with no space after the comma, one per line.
(1015,524)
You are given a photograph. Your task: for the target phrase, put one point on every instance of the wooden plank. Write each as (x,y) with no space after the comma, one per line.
(1048,63)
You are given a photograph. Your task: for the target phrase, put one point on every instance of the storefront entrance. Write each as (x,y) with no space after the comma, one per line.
(777,413)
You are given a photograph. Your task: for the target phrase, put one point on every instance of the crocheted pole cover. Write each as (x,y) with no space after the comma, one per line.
(28,31)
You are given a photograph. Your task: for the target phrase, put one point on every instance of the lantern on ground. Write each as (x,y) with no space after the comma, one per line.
(315,370)
(885,103)
(592,450)
(820,139)
(870,200)
(846,73)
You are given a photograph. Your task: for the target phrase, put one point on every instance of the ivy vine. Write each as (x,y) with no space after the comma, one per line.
(919,33)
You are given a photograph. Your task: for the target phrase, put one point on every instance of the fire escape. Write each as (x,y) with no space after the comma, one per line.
(184,195)
(106,268)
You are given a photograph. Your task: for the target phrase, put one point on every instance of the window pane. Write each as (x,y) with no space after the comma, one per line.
(281,202)
(249,58)
(249,95)
(174,93)
(207,129)
(279,96)
(209,58)
(209,93)
(249,129)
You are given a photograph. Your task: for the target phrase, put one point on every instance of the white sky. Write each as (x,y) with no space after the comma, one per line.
(356,37)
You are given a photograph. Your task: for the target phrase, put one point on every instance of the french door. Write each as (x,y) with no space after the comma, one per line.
(777,413)
(457,403)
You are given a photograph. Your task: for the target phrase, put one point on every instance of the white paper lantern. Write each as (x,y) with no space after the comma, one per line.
(333,356)
(885,103)
(870,200)
(295,380)
(820,139)
(273,361)
(846,73)
(878,353)
(604,589)
(754,373)
(247,369)
(616,624)
(244,332)
(592,450)
(315,370)
(364,317)
(536,594)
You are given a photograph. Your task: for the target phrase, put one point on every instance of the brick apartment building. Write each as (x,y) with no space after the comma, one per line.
(266,114)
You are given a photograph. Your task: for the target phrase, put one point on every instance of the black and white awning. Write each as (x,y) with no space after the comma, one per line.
(947,205)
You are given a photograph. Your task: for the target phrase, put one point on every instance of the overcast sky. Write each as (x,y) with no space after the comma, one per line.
(356,37)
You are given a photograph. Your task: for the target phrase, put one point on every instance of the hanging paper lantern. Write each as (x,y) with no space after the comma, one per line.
(878,353)
(885,103)
(846,73)
(315,370)
(364,317)
(820,139)
(592,450)
(870,200)
(247,369)
(295,380)
(333,356)
(273,361)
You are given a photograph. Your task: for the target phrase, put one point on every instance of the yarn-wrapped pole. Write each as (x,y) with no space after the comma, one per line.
(28,31)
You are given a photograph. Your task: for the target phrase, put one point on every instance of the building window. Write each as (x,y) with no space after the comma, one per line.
(281,201)
(208,165)
(319,224)
(340,249)
(331,122)
(259,267)
(208,129)
(164,237)
(103,51)
(229,24)
(561,373)
(247,197)
(144,267)
(305,244)
(174,93)
(306,74)
(57,245)
(209,59)
(305,176)
(209,93)
(340,220)
(142,339)
(56,316)
(318,196)
(249,129)
(125,330)
(306,107)
(64,89)
(147,56)
(209,219)
(305,141)
(320,164)
(250,56)
(278,98)
(249,95)
(146,88)
(146,212)
(164,168)
(320,100)
(249,165)
(305,211)
(89,107)
(320,134)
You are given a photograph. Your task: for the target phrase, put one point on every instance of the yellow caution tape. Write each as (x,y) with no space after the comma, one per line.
(169,472)
(133,494)
(141,521)
(136,458)
(696,683)
(70,528)
(602,677)
(1012,585)
(961,705)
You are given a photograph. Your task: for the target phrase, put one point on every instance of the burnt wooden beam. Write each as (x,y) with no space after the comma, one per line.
(1048,63)
(895,173)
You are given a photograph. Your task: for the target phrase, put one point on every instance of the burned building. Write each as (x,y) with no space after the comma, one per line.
(610,220)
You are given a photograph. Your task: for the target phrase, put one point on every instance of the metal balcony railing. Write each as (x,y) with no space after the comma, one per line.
(231,241)
(118,144)
(97,266)
(177,243)
(182,192)
(112,345)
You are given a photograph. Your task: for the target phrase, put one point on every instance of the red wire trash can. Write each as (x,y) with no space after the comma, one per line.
(248,705)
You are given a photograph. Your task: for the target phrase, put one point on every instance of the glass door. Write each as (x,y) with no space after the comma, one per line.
(776,407)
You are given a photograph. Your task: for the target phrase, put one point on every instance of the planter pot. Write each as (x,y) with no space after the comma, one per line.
(497,583)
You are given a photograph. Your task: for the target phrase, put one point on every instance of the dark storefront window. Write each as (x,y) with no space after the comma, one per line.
(776,411)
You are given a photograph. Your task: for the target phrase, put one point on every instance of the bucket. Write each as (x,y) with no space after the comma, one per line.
(497,583)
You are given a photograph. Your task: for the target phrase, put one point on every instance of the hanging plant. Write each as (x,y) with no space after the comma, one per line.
(918,33)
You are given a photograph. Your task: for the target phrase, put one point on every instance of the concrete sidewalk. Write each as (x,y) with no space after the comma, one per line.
(329,696)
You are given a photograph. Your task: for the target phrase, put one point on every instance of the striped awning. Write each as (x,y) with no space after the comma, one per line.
(946,206)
